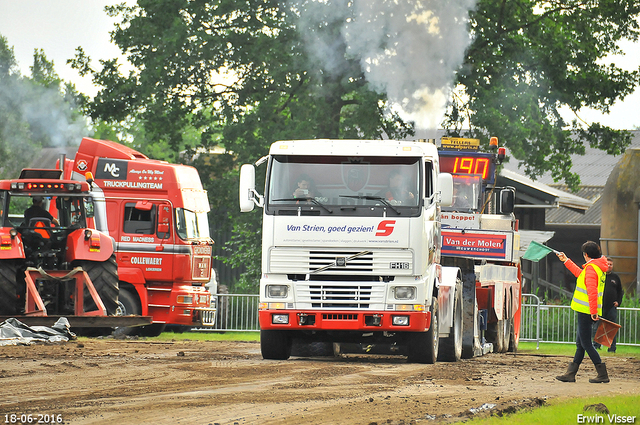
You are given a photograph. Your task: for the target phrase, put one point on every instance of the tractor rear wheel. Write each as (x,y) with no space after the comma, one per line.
(9,301)
(104,276)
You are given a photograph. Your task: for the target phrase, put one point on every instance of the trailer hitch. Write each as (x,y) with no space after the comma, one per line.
(34,306)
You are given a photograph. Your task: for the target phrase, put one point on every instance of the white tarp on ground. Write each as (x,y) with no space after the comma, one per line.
(14,332)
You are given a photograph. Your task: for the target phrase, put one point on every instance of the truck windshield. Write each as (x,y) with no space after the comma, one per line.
(191,225)
(467,191)
(342,185)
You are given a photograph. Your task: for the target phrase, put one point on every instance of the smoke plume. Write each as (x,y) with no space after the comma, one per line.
(409,49)
(33,117)
(47,114)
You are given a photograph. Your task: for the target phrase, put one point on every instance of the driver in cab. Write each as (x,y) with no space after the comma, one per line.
(36,210)
(397,191)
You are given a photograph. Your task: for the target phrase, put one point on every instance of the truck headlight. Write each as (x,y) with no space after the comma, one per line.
(277,291)
(184,299)
(404,292)
(280,319)
(400,320)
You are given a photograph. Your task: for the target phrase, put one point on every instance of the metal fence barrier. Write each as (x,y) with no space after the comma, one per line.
(530,319)
(539,322)
(557,323)
(237,313)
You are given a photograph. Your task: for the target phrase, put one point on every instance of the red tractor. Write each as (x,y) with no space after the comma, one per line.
(51,262)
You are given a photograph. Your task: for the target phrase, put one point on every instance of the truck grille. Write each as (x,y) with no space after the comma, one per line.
(340,295)
(339,316)
(337,296)
(383,262)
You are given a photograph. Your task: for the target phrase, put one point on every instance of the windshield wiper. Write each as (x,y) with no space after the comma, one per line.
(315,201)
(372,198)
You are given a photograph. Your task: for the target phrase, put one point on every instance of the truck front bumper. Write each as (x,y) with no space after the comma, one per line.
(340,320)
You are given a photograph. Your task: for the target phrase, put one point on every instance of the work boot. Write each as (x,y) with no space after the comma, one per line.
(603,376)
(570,376)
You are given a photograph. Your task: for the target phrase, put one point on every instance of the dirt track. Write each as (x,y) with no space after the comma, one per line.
(140,382)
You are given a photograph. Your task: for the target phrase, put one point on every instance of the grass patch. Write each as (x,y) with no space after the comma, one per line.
(570,349)
(567,411)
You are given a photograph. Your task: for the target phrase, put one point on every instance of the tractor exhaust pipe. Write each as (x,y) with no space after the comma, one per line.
(63,159)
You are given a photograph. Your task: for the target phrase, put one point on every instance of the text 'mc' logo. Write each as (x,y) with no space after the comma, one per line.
(111,169)
(385,228)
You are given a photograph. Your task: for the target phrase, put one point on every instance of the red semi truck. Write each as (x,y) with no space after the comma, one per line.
(480,237)
(157,214)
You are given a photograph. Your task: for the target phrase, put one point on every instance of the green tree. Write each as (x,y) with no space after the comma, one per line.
(56,116)
(239,65)
(243,73)
(237,73)
(530,58)
(15,140)
(35,112)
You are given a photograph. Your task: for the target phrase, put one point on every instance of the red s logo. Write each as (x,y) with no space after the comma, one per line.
(385,228)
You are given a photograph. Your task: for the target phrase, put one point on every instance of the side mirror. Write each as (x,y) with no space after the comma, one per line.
(164,220)
(144,205)
(445,187)
(507,201)
(247,187)
(88,207)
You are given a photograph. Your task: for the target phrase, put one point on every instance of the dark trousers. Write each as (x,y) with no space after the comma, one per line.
(584,340)
(612,316)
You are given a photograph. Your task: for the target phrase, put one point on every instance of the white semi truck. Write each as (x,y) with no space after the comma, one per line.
(351,248)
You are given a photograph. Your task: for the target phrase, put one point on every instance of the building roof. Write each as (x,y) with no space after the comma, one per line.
(568,217)
(526,236)
(593,167)
(541,195)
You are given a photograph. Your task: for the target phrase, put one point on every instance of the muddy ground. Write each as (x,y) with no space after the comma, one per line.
(106,381)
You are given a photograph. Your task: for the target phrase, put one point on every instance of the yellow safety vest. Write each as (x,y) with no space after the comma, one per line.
(580,301)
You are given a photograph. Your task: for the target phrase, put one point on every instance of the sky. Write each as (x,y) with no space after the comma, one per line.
(59,26)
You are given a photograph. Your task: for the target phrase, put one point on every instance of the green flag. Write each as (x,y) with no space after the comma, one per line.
(536,251)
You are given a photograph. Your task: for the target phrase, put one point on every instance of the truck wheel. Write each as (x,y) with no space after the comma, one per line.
(470,344)
(129,306)
(451,346)
(9,301)
(513,344)
(104,276)
(302,348)
(493,335)
(275,345)
(498,334)
(153,329)
(423,346)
